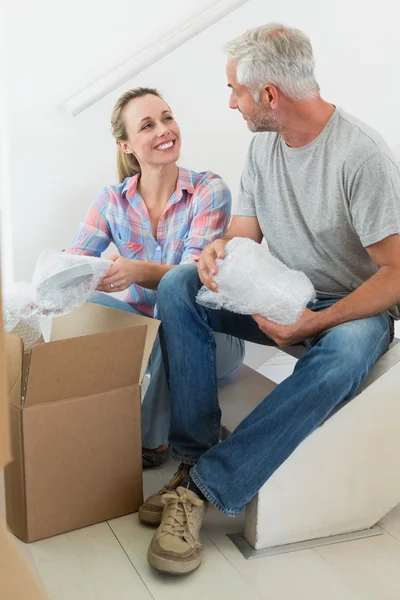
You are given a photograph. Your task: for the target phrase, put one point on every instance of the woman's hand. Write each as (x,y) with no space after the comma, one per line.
(120,276)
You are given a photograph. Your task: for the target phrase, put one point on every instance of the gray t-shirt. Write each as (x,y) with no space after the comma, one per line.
(320,205)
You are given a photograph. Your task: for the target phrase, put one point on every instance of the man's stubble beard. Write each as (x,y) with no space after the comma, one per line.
(265,119)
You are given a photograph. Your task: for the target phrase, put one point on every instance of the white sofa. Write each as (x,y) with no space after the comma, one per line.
(341,480)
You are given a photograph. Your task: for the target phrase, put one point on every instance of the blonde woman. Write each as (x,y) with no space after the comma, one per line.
(158,216)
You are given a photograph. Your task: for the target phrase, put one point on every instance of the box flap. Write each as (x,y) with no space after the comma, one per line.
(92,318)
(14,358)
(84,366)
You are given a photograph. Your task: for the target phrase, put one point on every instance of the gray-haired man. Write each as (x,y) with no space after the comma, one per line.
(324,191)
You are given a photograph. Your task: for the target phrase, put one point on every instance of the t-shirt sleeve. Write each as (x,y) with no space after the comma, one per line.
(246,206)
(375,199)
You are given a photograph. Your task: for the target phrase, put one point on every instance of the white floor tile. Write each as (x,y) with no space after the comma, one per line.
(152,482)
(216,578)
(301,575)
(371,566)
(88,564)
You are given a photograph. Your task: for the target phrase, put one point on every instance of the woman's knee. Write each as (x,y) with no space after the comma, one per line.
(230,352)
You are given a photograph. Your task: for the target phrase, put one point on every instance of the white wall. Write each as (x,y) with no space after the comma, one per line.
(5,201)
(56,47)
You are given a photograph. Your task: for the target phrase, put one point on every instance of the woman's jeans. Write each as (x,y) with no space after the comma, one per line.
(156,404)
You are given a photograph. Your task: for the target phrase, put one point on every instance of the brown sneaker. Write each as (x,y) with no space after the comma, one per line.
(154,458)
(152,509)
(175,547)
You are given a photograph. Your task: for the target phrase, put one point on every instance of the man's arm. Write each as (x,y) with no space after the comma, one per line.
(246,227)
(374,296)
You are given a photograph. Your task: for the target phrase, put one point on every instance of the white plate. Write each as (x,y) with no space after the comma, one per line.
(67,278)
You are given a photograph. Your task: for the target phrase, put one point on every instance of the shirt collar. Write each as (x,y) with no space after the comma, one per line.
(184,182)
(130,186)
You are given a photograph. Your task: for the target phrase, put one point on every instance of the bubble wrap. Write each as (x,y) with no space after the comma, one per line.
(27,306)
(252,281)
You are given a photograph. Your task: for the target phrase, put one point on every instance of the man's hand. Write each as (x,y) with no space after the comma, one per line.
(120,275)
(207,266)
(307,326)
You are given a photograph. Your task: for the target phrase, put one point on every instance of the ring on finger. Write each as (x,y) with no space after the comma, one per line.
(111,285)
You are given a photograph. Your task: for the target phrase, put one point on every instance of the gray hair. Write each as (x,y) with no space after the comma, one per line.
(275,54)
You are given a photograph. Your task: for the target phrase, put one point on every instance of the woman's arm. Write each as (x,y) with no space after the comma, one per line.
(94,235)
(126,271)
(211,217)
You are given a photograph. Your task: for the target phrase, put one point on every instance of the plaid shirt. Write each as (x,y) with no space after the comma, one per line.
(197,213)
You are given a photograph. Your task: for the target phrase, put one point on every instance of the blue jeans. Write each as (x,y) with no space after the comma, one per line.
(156,404)
(230,473)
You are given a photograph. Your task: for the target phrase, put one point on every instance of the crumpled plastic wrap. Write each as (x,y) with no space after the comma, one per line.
(28,307)
(252,281)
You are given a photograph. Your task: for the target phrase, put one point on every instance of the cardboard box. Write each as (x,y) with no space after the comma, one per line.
(76,422)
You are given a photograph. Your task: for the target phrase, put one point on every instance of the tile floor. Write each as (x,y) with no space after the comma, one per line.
(108,561)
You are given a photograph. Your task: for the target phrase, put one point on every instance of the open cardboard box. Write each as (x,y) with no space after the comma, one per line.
(76,422)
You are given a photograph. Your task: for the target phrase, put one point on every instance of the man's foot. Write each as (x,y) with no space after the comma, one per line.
(154,457)
(152,509)
(175,547)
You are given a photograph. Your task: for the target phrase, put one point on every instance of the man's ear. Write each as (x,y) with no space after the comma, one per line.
(270,96)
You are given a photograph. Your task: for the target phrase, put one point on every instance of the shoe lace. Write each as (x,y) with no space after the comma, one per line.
(177,520)
(177,478)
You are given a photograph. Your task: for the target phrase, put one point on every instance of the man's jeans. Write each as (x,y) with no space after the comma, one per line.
(230,473)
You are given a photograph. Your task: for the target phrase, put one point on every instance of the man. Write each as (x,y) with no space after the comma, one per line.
(324,191)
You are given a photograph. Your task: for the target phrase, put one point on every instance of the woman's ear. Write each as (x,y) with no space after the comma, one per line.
(125,147)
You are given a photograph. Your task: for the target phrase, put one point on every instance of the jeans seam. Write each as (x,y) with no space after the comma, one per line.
(213,375)
(389,333)
(210,497)
(185,460)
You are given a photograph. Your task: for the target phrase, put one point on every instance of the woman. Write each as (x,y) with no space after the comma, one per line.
(159,216)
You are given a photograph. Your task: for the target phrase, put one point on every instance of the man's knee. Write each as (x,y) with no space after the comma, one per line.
(356,345)
(178,284)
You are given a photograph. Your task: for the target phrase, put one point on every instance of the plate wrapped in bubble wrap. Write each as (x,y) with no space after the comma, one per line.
(61,282)
(252,281)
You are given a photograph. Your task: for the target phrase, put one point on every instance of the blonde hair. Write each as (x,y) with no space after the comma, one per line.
(127,164)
